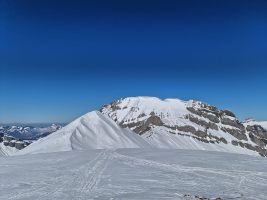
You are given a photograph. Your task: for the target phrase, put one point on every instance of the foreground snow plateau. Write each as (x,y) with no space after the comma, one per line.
(133,174)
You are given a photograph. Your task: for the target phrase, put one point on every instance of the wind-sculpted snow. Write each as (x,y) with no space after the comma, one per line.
(133,174)
(6,150)
(91,131)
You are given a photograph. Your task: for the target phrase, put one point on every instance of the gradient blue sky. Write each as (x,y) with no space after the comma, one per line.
(60,59)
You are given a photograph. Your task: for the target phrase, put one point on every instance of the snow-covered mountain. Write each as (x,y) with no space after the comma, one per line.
(27,132)
(173,123)
(145,122)
(91,131)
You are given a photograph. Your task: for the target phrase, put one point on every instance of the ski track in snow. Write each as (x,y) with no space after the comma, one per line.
(85,181)
(94,171)
(196,171)
(125,174)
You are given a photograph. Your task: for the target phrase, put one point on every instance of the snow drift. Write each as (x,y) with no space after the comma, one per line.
(91,131)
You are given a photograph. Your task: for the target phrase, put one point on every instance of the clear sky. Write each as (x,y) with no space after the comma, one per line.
(60,59)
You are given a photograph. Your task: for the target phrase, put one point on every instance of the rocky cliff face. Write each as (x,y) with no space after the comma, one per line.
(187,124)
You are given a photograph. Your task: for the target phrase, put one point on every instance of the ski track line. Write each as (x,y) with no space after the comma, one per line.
(132,161)
(87,178)
(94,173)
(176,167)
(94,166)
(129,160)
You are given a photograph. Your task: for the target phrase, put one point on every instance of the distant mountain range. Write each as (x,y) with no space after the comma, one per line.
(29,132)
(16,137)
(149,122)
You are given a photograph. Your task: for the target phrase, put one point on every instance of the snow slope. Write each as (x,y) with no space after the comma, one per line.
(177,124)
(134,109)
(6,150)
(133,174)
(161,138)
(91,131)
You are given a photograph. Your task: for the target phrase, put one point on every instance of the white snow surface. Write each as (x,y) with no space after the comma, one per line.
(133,174)
(6,150)
(91,131)
(171,111)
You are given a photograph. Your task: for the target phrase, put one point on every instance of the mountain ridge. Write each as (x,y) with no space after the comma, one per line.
(150,122)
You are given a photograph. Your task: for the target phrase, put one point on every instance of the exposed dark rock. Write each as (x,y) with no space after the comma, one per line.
(130,125)
(141,129)
(103,107)
(202,122)
(19,145)
(257,130)
(201,139)
(231,122)
(114,106)
(241,144)
(261,151)
(228,113)
(152,113)
(152,120)
(223,140)
(206,113)
(257,140)
(141,115)
(198,197)
(200,133)
(249,146)
(12,143)
(211,117)
(194,111)
(234,143)
(189,129)
(186,128)
(134,109)
(155,120)
(217,139)
(1,134)
(209,107)
(6,143)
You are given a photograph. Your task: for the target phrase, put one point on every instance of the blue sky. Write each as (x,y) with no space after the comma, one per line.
(60,59)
